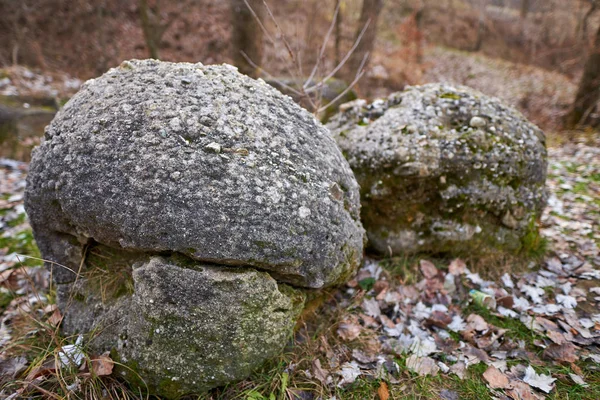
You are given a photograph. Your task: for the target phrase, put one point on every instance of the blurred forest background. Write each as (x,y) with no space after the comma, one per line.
(542,56)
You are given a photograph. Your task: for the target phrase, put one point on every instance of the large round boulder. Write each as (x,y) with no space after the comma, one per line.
(218,175)
(444,169)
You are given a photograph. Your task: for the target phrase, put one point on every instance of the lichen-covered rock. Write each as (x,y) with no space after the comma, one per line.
(189,327)
(444,169)
(199,160)
(183,208)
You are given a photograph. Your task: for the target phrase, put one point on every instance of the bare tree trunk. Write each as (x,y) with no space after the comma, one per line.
(584,21)
(589,88)
(368,15)
(338,31)
(480,26)
(524,8)
(152,26)
(451,9)
(247,35)
(100,20)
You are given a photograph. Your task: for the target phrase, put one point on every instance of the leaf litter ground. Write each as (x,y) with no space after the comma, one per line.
(415,333)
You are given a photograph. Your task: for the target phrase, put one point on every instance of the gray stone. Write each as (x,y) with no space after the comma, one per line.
(185,329)
(444,169)
(221,169)
(175,204)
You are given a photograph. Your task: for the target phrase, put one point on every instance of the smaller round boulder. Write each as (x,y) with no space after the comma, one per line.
(444,169)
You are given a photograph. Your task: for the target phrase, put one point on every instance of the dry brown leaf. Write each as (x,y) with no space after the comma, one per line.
(383,391)
(422,365)
(565,352)
(477,323)
(349,331)
(521,391)
(505,301)
(439,319)
(50,308)
(459,369)
(495,378)
(475,353)
(102,365)
(362,357)
(386,321)
(47,368)
(380,287)
(319,372)
(556,337)
(55,318)
(369,322)
(457,267)
(428,269)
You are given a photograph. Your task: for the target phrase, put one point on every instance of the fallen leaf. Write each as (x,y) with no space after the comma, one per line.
(428,269)
(349,372)
(446,394)
(369,322)
(363,358)
(438,319)
(371,308)
(319,372)
(55,318)
(458,324)
(383,391)
(457,267)
(477,323)
(566,301)
(422,365)
(556,337)
(47,368)
(72,354)
(540,381)
(521,391)
(13,366)
(102,365)
(578,380)
(349,331)
(381,287)
(565,352)
(495,378)
(507,281)
(459,369)
(423,347)
(476,354)
(505,301)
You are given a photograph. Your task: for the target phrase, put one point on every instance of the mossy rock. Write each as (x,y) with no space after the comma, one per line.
(444,169)
(187,328)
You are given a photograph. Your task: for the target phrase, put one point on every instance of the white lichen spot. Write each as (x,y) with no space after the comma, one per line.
(216,147)
(175,124)
(303,212)
(477,122)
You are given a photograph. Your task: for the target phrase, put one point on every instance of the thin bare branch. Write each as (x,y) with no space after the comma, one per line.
(323,46)
(283,38)
(268,35)
(339,96)
(270,76)
(341,64)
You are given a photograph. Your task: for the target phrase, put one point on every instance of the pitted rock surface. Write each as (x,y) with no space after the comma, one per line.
(199,160)
(444,169)
(174,204)
(185,329)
